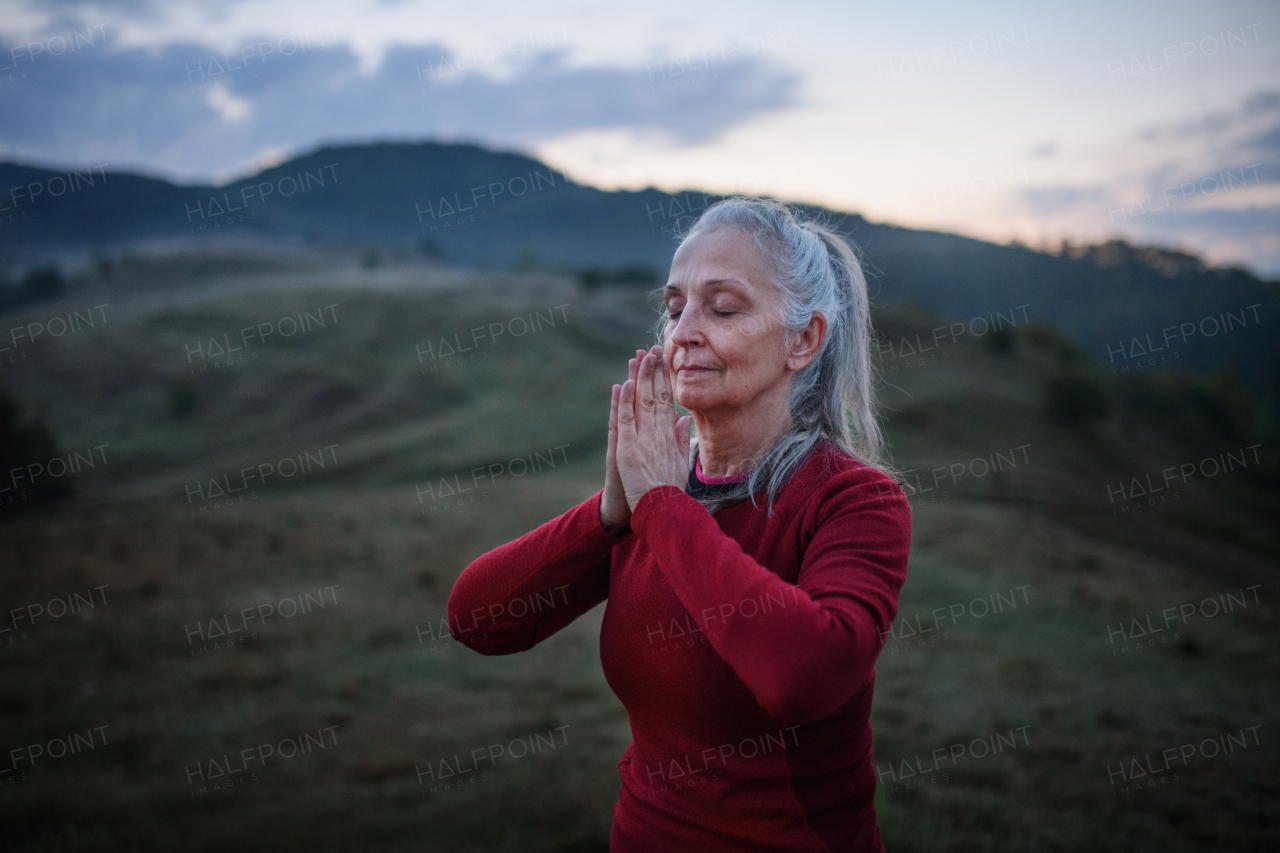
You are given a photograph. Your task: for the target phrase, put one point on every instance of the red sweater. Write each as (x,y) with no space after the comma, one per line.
(741,645)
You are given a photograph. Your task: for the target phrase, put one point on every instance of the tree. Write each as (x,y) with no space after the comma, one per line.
(1076,395)
(24,445)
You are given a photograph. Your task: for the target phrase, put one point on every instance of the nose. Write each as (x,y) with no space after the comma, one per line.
(687,331)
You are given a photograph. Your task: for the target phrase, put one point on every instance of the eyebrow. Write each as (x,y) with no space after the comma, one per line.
(711,282)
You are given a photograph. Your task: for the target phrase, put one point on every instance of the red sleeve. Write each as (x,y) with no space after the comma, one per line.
(812,643)
(520,593)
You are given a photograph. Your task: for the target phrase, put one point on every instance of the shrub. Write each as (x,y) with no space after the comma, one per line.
(23,444)
(592,277)
(1001,341)
(38,285)
(184,396)
(1204,413)
(627,274)
(1076,395)
(1049,338)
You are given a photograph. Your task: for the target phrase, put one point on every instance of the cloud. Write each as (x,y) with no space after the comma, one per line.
(1211,184)
(190,111)
(122,10)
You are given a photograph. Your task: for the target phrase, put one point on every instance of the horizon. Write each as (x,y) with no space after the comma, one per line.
(1155,123)
(1052,249)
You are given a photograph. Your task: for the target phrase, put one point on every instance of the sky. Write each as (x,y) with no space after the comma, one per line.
(1156,122)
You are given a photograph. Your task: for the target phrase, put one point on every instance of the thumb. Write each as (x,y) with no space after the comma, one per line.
(682,435)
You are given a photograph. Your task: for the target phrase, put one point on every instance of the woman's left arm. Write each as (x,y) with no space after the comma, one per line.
(808,646)
(815,644)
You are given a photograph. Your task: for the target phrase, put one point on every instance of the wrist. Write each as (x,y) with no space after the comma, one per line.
(613,528)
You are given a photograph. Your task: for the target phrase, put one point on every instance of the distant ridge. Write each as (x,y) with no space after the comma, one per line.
(469,206)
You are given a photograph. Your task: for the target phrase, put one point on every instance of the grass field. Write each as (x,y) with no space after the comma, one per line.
(1038,574)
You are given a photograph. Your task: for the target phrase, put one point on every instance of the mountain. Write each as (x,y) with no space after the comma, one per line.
(1133,308)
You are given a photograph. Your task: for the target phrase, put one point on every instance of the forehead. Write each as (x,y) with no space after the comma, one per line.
(722,255)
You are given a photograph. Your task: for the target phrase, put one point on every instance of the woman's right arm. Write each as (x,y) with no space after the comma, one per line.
(520,593)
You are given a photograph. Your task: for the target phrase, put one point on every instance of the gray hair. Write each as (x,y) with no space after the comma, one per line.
(816,270)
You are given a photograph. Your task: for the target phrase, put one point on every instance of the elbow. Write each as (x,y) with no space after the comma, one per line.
(485,644)
(464,617)
(801,697)
(473,625)
(800,702)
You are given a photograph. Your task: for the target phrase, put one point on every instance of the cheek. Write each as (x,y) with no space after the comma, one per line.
(748,345)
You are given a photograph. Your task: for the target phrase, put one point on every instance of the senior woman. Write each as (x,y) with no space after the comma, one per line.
(751,577)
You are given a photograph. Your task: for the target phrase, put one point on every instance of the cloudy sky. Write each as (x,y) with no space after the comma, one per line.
(1038,121)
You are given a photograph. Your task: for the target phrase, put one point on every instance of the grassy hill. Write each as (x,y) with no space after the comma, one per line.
(477,209)
(1058,541)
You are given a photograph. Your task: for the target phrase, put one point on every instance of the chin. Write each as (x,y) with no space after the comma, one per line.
(697,399)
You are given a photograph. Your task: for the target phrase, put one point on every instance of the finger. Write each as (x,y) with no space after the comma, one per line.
(611,447)
(633,366)
(613,417)
(644,390)
(663,392)
(627,409)
(645,402)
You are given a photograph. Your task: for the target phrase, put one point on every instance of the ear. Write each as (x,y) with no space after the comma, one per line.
(806,343)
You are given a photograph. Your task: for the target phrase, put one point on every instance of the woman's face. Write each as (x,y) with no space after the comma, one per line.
(724,341)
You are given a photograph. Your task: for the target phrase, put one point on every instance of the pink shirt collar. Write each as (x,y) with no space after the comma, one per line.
(714,481)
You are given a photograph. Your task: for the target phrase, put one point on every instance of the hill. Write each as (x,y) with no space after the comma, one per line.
(330,458)
(467,207)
